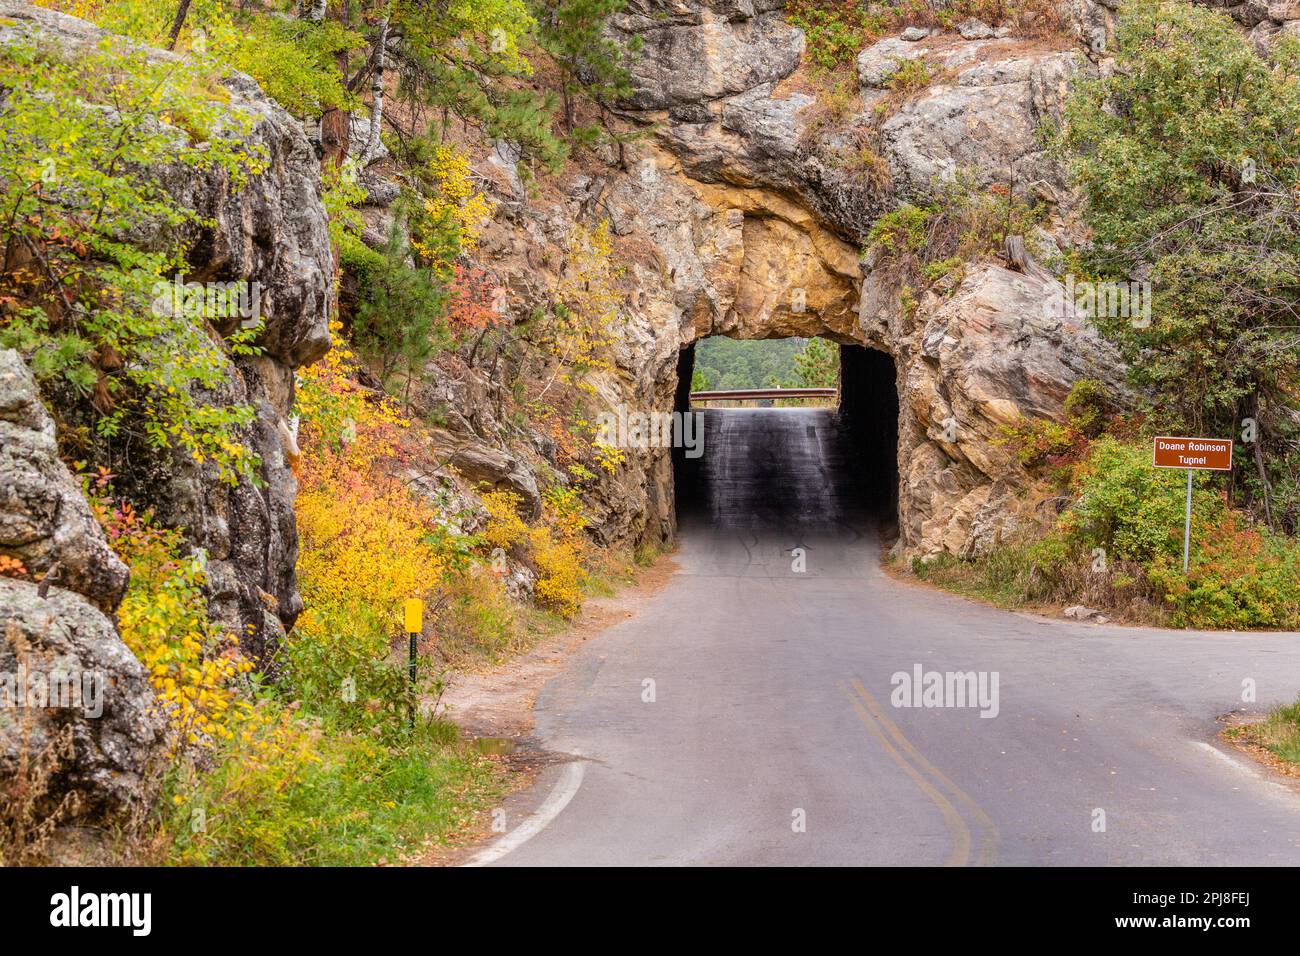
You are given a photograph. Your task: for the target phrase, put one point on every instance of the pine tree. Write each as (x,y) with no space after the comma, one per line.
(574,33)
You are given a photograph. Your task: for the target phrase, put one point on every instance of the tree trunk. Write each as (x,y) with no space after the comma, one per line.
(335,132)
(181,12)
(377,94)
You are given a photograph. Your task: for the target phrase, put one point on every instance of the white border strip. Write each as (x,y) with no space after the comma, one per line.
(568,784)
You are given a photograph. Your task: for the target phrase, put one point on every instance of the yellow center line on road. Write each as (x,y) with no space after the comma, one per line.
(961,837)
(989,836)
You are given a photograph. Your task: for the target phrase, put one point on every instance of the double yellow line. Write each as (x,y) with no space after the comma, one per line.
(932,782)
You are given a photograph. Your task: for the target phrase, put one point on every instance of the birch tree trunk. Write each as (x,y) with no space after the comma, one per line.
(377,94)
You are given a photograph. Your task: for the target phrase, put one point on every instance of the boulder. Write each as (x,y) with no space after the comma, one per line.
(45,521)
(482,464)
(972,29)
(73,696)
(985,119)
(971,364)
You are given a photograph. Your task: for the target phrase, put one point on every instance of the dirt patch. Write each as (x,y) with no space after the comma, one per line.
(498,703)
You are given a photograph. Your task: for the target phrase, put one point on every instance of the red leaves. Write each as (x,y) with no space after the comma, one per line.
(477,301)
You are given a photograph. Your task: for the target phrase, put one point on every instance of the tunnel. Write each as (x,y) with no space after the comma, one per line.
(773,468)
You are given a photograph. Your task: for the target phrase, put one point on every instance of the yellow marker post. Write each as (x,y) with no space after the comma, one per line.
(413,617)
(413,613)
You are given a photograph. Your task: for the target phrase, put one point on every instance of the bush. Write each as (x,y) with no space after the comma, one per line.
(554,548)
(1120,545)
(963,223)
(1239,577)
(163,618)
(1132,509)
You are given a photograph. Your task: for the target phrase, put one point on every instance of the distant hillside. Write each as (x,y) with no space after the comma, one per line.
(724,363)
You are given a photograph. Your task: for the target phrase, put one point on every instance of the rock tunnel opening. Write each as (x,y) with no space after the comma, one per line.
(776,466)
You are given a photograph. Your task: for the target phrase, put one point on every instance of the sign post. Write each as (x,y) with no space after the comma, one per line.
(413,618)
(1203,454)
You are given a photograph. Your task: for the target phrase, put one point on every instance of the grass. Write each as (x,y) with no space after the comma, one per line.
(1278,733)
(365,802)
(1002,579)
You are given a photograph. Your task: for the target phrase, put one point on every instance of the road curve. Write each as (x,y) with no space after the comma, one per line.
(771,737)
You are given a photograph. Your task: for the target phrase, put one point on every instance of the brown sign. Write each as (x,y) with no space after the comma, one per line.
(1214,454)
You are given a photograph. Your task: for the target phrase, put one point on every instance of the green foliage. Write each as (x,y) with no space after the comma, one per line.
(1120,545)
(85,299)
(399,318)
(1132,509)
(293,60)
(1041,440)
(1037,440)
(342,195)
(1239,577)
(835,31)
(344,670)
(591,63)
(816,365)
(901,230)
(737,363)
(1086,406)
(932,243)
(1189,155)
(1004,577)
(910,76)
(458,58)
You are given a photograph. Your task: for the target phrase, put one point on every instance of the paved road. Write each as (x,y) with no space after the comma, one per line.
(772,704)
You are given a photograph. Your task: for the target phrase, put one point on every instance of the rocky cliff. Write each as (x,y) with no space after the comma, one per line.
(271,233)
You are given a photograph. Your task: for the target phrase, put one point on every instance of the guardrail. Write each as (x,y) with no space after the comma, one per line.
(746,394)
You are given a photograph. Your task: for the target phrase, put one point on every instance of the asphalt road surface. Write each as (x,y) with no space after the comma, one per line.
(768,735)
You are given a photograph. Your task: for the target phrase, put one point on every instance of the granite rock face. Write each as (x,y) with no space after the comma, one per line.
(77,699)
(71,694)
(775,250)
(45,521)
(271,233)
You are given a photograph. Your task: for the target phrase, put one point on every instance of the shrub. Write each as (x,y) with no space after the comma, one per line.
(1086,406)
(1120,545)
(1239,577)
(1040,441)
(835,30)
(163,618)
(910,76)
(554,547)
(85,307)
(963,223)
(1132,509)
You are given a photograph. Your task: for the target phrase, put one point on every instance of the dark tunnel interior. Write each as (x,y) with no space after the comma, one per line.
(776,465)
